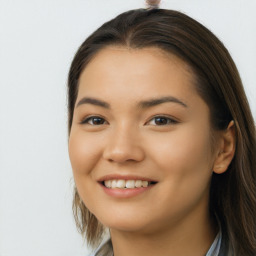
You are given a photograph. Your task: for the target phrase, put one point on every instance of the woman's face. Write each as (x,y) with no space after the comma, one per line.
(140,125)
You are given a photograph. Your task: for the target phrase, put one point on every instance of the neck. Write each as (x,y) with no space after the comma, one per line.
(191,237)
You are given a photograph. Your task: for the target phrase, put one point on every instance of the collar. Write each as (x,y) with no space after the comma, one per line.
(215,247)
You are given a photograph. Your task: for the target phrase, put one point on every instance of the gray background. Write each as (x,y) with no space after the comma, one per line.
(38,39)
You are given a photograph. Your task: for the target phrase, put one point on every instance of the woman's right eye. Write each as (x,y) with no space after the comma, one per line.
(94,120)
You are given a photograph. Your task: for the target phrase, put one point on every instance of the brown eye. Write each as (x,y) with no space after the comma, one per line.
(94,120)
(162,120)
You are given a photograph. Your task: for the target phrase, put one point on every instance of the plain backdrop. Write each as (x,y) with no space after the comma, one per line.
(38,39)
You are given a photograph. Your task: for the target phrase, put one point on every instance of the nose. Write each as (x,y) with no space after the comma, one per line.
(124,145)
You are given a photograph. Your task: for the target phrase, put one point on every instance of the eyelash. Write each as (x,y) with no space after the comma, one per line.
(168,120)
(90,118)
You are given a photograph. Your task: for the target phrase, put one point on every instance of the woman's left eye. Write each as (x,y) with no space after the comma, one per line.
(162,120)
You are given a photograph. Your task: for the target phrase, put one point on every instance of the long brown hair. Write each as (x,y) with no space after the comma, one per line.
(233,193)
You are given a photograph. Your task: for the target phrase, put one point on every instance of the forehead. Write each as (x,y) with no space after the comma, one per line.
(136,60)
(148,56)
(130,73)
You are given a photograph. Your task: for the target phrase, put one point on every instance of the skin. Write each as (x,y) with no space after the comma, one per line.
(172,217)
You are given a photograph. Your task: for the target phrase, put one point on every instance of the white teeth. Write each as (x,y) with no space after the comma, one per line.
(138,183)
(107,183)
(113,184)
(130,184)
(126,184)
(120,184)
(144,184)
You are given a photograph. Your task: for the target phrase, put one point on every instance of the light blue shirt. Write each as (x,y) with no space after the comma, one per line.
(215,247)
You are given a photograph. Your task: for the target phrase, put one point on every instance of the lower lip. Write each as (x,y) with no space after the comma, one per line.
(125,193)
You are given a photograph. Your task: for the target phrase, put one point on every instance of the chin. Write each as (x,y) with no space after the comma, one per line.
(125,222)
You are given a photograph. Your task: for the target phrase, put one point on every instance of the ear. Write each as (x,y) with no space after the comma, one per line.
(226,149)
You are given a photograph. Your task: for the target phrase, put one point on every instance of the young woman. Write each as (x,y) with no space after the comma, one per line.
(161,140)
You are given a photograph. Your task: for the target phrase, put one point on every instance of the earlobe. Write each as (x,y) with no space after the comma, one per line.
(226,149)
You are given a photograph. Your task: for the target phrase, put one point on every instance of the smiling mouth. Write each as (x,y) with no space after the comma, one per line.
(127,184)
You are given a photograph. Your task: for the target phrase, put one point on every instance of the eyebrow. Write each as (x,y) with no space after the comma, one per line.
(143,104)
(93,101)
(157,101)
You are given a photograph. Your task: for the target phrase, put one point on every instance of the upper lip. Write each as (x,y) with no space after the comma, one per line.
(125,177)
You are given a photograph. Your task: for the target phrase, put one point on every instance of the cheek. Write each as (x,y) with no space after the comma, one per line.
(185,160)
(186,148)
(185,164)
(84,152)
